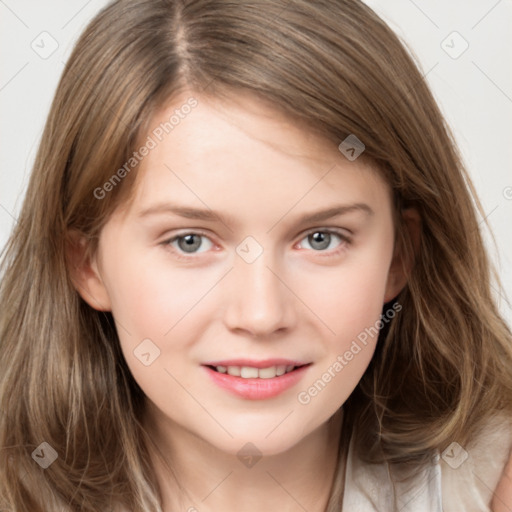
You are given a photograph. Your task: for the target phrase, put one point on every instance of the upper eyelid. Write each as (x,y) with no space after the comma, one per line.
(336,231)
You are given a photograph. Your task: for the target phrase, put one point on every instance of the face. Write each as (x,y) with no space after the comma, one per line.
(246,274)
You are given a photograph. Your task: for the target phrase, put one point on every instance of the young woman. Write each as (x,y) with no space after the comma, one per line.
(248,274)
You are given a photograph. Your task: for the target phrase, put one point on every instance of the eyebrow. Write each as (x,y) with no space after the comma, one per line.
(212,216)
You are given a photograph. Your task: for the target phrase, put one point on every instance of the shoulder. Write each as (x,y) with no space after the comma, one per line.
(470,474)
(460,478)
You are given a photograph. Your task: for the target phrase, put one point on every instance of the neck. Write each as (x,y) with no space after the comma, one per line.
(195,476)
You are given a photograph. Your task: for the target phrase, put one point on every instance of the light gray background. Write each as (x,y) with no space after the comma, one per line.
(473,88)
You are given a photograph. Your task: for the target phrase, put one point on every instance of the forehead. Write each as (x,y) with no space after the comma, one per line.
(244,152)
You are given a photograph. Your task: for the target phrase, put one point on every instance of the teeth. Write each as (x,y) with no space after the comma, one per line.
(280,370)
(267,373)
(248,372)
(234,370)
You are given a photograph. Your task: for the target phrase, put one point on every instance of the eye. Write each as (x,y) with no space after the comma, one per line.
(189,243)
(319,240)
(322,239)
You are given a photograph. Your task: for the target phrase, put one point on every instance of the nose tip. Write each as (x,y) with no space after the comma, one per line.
(259,303)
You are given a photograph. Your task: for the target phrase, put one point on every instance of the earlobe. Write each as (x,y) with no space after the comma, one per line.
(84,273)
(404,256)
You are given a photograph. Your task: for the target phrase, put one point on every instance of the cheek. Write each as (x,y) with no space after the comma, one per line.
(352,309)
(351,306)
(150,297)
(352,296)
(362,300)
(159,310)
(152,308)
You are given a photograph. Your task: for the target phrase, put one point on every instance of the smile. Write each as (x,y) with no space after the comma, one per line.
(250,372)
(258,382)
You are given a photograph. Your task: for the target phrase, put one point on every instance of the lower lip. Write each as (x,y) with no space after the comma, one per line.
(257,389)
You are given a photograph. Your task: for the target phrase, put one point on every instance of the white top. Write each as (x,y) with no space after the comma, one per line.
(458,479)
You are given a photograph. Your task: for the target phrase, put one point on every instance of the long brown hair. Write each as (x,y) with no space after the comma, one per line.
(442,369)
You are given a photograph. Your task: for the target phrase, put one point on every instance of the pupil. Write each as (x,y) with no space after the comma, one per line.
(190,245)
(320,238)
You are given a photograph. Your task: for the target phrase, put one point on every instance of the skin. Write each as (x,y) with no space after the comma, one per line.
(295,300)
(502,500)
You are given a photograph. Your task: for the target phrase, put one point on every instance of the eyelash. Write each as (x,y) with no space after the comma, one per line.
(345,241)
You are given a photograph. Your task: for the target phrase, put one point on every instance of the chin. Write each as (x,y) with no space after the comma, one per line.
(259,442)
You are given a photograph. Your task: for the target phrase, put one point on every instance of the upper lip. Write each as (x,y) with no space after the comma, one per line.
(264,363)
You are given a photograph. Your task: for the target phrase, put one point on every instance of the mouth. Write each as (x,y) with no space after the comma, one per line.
(256,380)
(251,372)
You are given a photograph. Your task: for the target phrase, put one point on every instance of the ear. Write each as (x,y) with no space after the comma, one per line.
(84,273)
(403,258)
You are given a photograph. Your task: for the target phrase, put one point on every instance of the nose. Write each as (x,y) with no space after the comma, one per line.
(259,301)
